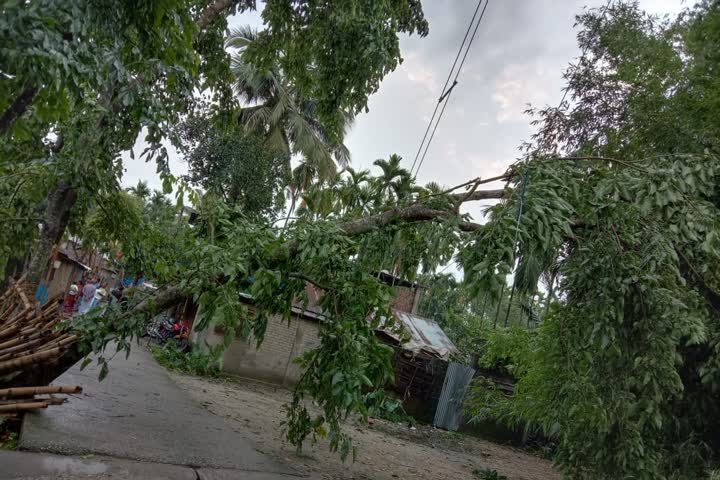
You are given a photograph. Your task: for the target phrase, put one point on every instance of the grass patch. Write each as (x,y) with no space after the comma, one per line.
(195,362)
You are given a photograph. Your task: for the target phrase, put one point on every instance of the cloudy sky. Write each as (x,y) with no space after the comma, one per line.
(517,58)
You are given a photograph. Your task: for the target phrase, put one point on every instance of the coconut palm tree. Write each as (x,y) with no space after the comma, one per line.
(275,107)
(301,179)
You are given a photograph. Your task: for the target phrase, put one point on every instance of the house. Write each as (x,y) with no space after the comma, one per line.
(419,360)
(65,269)
(70,264)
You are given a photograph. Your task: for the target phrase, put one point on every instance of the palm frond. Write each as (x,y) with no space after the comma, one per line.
(241,37)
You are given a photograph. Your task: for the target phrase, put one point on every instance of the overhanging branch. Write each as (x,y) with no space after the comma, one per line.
(17,108)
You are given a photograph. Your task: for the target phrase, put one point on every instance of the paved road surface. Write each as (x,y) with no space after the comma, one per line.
(138,413)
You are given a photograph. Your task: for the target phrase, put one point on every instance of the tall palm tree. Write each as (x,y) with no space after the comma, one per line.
(275,107)
(356,192)
(301,179)
(395,182)
(141,190)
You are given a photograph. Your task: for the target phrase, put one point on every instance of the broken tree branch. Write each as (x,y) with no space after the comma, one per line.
(171,295)
(17,108)
(413,213)
(481,195)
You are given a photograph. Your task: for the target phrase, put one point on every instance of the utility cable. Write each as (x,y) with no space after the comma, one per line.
(446,84)
(447,92)
(526,177)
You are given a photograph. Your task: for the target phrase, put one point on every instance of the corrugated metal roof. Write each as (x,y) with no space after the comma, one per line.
(425,334)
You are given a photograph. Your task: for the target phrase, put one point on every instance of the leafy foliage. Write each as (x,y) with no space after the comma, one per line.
(9,433)
(237,166)
(622,370)
(196,362)
(380,404)
(83,81)
(365,49)
(280,113)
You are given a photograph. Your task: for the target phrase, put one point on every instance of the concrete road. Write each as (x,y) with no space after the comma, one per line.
(18,465)
(138,413)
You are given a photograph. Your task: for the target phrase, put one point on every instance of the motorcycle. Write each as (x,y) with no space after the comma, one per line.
(164,328)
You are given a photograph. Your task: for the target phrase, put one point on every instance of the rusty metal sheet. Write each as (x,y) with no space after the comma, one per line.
(449,410)
(425,336)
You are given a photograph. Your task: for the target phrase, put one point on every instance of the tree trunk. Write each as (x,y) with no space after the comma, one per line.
(551,293)
(212,12)
(60,203)
(292,209)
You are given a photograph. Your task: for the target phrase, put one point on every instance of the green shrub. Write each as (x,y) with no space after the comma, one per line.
(380,405)
(195,362)
(488,474)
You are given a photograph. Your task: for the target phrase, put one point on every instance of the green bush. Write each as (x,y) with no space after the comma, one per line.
(488,474)
(380,405)
(195,362)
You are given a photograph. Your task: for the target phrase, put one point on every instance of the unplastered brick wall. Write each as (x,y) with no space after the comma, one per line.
(403,299)
(272,361)
(283,342)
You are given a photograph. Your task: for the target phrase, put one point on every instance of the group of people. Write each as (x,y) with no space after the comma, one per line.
(88,293)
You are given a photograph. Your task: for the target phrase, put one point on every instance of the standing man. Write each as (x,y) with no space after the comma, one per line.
(88,296)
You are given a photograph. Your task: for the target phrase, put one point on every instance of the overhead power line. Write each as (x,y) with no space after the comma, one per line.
(447,92)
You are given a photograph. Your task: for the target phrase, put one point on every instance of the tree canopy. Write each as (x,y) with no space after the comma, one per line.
(615,204)
(236,165)
(622,203)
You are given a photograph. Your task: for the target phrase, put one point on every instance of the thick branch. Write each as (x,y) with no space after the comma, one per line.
(162,300)
(413,213)
(212,12)
(17,108)
(172,295)
(480,195)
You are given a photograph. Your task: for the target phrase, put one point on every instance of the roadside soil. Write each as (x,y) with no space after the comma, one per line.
(386,451)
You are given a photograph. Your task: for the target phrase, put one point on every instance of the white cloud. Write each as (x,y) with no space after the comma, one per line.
(518,85)
(420,74)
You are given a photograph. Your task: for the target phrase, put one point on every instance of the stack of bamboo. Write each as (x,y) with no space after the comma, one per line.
(17,400)
(33,347)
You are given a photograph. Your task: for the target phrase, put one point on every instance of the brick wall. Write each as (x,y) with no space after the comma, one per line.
(283,342)
(272,361)
(406,298)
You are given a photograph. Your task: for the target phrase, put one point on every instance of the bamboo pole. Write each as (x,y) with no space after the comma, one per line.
(5,315)
(12,330)
(59,342)
(30,359)
(12,342)
(44,334)
(50,389)
(22,295)
(17,348)
(21,313)
(34,347)
(21,407)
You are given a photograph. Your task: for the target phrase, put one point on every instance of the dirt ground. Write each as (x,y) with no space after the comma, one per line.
(386,450)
